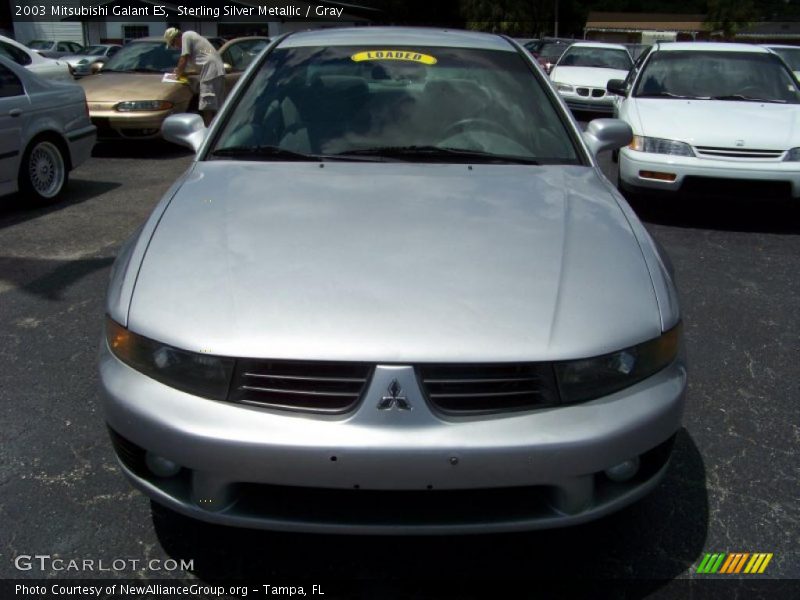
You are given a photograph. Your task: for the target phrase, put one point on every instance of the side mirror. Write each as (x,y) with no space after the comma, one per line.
(617,87)
(228,68)
(185,129)
(607,134)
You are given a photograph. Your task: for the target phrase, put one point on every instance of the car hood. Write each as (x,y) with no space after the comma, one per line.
(720,123)
(588,76)
(394,262)
(116,87)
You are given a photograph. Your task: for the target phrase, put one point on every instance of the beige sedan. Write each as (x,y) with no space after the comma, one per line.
(129,98)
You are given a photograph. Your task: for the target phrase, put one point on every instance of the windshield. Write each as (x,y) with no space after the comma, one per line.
(94,50)
(40,45)
(551,49)
(144,56)
(717,75)
(448,104)
(605,58)
(791,56)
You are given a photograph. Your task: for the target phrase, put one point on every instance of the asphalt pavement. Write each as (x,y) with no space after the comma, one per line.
(732,485)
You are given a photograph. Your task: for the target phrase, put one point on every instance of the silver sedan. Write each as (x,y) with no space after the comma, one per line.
(45,132)
(393,294)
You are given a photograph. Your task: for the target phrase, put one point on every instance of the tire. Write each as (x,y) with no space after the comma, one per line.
(43,172)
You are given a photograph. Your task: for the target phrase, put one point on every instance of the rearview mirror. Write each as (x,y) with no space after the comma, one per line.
(185,129)
(617,86)
(607,134)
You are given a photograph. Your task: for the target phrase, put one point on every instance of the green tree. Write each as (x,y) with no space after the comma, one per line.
(730,16)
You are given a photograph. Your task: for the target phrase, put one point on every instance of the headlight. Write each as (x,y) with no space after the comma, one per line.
(582,380)
(659,146)
(792,155)
(195,373)
(565,87)
(143,105)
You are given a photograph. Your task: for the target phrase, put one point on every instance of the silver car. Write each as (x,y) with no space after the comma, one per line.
(393,294)
(45,132)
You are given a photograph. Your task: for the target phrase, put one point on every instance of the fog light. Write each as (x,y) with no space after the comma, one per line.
(160,466)
(624,470)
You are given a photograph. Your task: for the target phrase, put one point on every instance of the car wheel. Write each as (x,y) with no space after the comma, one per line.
(43,171)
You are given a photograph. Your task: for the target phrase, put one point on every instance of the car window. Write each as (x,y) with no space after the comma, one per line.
(112,51)
(13,53)
(64,47)
(241,54)
(333,100)
(791,56)
(606,58)
(40,45)
(10,84)
(94,50)
(144,56)
(708,74)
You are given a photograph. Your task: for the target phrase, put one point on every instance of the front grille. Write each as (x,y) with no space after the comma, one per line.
(308,386)
(736,188)
(488,388)
(593,92)
(392,507)
(738,152)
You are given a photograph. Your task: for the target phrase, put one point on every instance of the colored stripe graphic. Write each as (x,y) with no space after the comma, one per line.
(727,564)
(734,563)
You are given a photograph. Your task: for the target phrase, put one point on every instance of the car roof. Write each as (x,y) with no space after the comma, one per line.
(599,45)
(712,46)
(781,46)
(400,36)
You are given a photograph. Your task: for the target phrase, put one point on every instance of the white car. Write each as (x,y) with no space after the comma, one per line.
(44,67)
(711,119)
(91,58)
(45,132)
(791,54)
(582,72)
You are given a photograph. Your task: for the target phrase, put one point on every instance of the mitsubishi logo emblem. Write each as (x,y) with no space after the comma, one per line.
(394,398)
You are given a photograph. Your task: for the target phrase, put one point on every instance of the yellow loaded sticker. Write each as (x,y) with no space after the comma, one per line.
(416,57)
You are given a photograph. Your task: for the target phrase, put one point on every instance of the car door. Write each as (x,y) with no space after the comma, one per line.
(13,113)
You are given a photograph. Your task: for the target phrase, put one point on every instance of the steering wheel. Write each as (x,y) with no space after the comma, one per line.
(476,123)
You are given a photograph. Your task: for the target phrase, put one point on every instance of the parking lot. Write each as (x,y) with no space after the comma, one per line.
(732,485)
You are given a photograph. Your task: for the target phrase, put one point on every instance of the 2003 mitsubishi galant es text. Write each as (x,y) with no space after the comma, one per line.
(393,294)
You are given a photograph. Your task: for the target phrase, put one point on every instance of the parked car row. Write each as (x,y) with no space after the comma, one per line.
(49,123)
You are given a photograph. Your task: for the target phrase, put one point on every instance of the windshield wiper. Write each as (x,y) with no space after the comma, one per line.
(264,153)
(748,98)
(437,152)
(671,95)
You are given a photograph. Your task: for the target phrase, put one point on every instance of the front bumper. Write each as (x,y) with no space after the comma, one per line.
(112,124)
(632,163)
(410,472)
